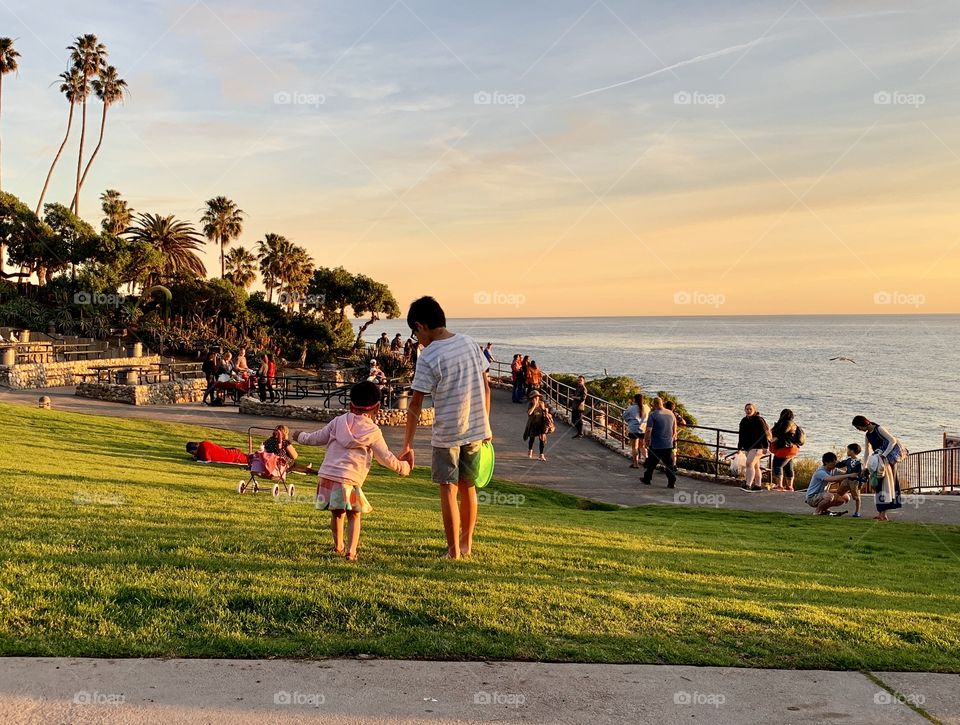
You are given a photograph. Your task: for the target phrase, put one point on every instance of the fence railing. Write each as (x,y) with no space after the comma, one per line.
(700,448)
(934,470)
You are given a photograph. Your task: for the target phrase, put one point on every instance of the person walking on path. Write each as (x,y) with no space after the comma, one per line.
(579,406)
(661,433)
(787,439)
(891,451)
(518,380)
(454,371)
(754,439)
(209,369)
(539,422)
(636,419)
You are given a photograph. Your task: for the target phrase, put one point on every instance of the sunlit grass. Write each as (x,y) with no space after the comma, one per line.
(115,544)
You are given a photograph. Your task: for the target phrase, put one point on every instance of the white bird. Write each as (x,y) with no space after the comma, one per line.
(844,359)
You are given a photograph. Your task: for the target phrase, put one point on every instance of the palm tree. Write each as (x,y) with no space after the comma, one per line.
(241,267)
(222,222)
(271,251)
(89,56)
(72,86)
(117,213)
(296,269)
(8,64)
(177,240)
(110,89)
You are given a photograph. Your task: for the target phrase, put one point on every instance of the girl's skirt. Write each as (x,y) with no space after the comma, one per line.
(337,496)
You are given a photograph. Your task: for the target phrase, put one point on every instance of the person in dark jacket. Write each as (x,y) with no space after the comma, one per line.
(209,369)
(579,406)
(754,440)
(787,439)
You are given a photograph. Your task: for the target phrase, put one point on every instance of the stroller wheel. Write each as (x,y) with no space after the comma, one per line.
(240,487)
(276,490)
(291,490)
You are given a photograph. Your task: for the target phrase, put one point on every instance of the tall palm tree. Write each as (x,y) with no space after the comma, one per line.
(296,269)
(110,89)
(271,250)
(222,222)
(241,267)
(72,86)
(8,64)
(177,240)
(89,56)
(117,213)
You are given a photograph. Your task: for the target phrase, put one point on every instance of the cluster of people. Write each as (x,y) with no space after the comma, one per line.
(526,376)
(408,350)
(223,373)
(874,463)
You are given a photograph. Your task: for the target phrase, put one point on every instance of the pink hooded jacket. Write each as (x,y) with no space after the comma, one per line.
(352,442)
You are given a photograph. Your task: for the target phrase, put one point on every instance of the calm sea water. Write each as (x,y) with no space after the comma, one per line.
(905,374)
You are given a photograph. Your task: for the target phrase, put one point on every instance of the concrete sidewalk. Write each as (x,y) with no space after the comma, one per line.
(581,467)
(380,691)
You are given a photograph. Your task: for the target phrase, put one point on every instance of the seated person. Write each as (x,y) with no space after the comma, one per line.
(376,374)
(241,364)
(852,464)
(210,452)
(279,443)
(817,495)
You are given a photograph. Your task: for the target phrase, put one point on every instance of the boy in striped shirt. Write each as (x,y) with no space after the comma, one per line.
(453,370)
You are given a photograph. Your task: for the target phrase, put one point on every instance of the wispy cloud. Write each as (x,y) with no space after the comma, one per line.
(743,47)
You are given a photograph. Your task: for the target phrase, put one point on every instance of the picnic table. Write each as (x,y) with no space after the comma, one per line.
(175,369)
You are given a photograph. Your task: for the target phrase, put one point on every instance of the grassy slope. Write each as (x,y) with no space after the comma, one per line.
(114,544)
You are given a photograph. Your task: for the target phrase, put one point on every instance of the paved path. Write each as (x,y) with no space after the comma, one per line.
(579,467)
(51,690)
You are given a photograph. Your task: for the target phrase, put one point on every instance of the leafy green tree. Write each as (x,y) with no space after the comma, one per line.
(26,238)
(241,267)
(373,298)
(8,64)
(334,288)
(89,56)
(117,213)
(110,89)
(73,85)
(222,222)
(75,241)
(178,241)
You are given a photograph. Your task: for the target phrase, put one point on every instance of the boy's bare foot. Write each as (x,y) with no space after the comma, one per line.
(351,557)
(450,556)
(337,549)
(880,517)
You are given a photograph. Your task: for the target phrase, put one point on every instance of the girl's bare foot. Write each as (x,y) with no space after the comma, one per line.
(450,556)
(337,549)
(351,557)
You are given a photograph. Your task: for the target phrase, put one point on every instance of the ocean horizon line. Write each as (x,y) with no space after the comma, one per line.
(793,315)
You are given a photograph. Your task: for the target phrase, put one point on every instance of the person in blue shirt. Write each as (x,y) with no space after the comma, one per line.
(852,464)
(661,436)
(817,496)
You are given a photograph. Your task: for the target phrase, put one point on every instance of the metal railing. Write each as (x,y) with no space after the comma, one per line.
(707,453)
(934,470)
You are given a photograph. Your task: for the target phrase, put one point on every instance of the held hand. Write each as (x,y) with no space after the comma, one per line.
(407,455)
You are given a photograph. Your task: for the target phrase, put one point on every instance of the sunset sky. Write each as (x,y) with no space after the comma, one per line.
(633,158)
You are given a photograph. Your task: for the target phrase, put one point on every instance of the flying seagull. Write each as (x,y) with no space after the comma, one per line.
(844,359)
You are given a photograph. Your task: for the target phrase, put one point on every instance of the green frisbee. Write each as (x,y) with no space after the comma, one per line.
(485,463)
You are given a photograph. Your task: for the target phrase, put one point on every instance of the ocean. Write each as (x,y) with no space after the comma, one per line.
(904,375)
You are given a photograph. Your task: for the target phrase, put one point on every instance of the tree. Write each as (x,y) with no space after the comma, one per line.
(241,267)
(89,56)
(110,89)
(75,240)
(24,235)
(334,287)
(8,64)
(372,298)
(296,269)
(222,222)
(117,213)
(270,251)
(72,86)
(177,240)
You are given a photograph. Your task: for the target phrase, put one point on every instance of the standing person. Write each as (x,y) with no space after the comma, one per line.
(538,424)
(661,434)
(453,370)
(891,451)
(518,380)
(265,375)
(383,345)
(636,419)
(408,349)
(488,353)
(534,376)
(524,365)
(209,369)
(681,423)
(396,346)
(579,404)
(787,438)
(754,439)
(353,441)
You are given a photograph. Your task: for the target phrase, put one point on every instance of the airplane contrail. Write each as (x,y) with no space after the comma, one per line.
(689,61)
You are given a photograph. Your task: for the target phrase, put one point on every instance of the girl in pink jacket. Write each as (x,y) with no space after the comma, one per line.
(352,440)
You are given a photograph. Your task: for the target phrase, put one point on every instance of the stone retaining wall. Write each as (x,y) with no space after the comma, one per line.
(58,374)
(386,417)
(182,391)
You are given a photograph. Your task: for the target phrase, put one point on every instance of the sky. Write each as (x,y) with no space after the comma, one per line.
(538,157)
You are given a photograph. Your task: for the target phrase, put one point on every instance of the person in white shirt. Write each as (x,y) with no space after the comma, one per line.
(453,370)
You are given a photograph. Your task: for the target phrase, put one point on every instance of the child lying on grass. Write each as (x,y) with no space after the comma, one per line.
(352,440)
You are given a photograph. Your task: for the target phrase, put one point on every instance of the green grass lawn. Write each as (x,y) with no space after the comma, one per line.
(115,544)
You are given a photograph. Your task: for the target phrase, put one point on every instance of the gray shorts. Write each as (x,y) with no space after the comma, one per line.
(815,501)
(456,465)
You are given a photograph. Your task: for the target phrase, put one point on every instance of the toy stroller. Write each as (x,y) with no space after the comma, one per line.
(267,467)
